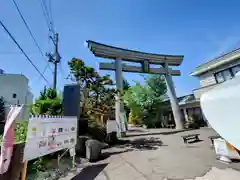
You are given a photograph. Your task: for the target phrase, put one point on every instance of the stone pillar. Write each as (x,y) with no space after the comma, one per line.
(173,99)
(119,108)
(185,114)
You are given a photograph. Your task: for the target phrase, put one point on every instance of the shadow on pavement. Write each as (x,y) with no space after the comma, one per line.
(150,143)
(159,133)
(106,155)
(195,141)
(136,130)
(90,172)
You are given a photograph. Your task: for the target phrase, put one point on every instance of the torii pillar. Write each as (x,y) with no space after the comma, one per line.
(173,98)
(119,106)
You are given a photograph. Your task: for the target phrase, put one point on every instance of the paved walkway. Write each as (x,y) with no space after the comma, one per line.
(159,157)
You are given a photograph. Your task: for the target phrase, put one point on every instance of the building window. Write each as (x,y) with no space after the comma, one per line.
(14,95)
(235,69)
(227,74)
(219,77)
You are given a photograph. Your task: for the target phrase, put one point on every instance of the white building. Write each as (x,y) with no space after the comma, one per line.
(216,71)
(15,91)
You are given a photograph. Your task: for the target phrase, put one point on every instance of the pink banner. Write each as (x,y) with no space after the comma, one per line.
(8,139)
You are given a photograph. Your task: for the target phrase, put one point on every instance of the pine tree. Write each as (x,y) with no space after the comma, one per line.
(2,109)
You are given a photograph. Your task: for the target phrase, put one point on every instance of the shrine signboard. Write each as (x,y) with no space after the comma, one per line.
(49,134)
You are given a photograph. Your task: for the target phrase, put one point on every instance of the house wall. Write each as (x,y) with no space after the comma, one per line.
(208,81)
(16,84)
(198,92)
(191,108)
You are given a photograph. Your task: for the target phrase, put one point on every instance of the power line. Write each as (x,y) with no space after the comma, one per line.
(30,32)
(14,40)
(61,70)
(47,17)
(47,66)
(46,10)
(51,14)
(45,14)
(43,71)
(15,53)
(48,13)
(53,58)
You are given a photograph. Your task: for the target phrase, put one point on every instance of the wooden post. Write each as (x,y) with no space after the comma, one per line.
(24,171)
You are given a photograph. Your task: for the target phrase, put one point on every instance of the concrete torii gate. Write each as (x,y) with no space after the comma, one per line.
(145,59)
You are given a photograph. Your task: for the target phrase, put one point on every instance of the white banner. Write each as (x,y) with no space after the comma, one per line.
(49,134)
(8,139)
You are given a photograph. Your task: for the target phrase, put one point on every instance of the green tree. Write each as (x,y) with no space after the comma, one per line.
(126,85)
(104,101)
(147,97)
(135,96)
(91,83)
(156,89)
(81,73)
(48,103)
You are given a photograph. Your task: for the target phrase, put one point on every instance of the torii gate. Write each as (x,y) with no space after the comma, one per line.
(145,59)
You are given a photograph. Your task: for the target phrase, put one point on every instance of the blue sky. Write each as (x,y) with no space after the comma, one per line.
(199,30)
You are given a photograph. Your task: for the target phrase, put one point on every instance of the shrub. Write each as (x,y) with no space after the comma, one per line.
(96,130)
(149,124)
(158,123)
(134,117)
(194,122)
(151,120)
(153,123)
(37,165)
(20,132)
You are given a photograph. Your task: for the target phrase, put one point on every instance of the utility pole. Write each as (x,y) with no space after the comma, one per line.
(54,58)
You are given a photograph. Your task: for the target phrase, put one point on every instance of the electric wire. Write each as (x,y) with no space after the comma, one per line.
(45,15)
(30,32)
(15,41)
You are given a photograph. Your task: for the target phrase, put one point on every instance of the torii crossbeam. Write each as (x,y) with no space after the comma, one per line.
(145,59)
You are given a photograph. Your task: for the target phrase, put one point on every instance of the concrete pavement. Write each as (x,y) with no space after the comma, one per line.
(152,160)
